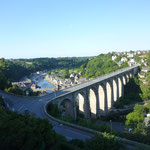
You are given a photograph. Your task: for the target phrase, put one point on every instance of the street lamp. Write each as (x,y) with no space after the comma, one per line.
(55,92)
(110,127)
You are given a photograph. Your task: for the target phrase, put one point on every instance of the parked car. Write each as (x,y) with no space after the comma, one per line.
(25,111)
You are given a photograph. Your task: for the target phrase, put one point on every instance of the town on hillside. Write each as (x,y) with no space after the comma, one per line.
(57,79)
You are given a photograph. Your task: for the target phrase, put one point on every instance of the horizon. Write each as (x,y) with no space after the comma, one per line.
(72,56)
(39,29)
(49,57)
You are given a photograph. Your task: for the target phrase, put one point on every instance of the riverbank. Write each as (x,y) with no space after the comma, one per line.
(45,86)
(51,82)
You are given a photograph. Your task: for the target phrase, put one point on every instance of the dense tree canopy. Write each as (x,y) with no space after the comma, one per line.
(25,132)
(14,70)
(105,142)
(101,65)
(135,120)
(15,89)
(145,87)
(66,74)
(136,116)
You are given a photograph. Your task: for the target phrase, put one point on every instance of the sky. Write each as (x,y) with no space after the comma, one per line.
(66,28)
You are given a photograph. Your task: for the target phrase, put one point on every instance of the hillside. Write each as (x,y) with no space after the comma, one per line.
(100,65)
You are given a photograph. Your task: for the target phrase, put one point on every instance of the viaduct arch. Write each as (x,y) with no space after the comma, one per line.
(96,97)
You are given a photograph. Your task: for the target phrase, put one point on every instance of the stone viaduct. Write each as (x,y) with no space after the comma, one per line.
(95,97)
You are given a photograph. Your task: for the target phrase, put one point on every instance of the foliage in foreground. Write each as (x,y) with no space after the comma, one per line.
(23,132)
(16,90)
(55,112)
(105,142)
(135,120)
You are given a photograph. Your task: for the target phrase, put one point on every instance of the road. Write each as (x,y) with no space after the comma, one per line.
(115,125)
(35,106)
(97,80)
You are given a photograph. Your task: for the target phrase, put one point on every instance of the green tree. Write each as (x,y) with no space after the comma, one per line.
(146,90)
(100,65)
(4,82)
(133,119)
(49,73)
(139,109)
(66,73)
(148,106)
(148,58)
(23,132)
(103,142)
(15,89)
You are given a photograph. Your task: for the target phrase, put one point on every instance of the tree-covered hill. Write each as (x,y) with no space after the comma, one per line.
(100,65)
(13,70)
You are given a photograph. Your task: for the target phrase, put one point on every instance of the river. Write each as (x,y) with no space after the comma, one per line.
(45,84)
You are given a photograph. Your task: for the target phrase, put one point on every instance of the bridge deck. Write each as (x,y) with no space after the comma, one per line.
(96,80)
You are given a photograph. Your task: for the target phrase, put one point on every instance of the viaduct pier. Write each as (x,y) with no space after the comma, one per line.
(95,97)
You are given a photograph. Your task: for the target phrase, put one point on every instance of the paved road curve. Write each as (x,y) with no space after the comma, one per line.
(36,105)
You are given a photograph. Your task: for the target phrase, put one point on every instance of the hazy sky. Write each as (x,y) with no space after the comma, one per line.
(58,28)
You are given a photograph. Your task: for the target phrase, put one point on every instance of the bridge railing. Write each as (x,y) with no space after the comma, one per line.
(131,144)
(86,83)
(98,79)
(95,80)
